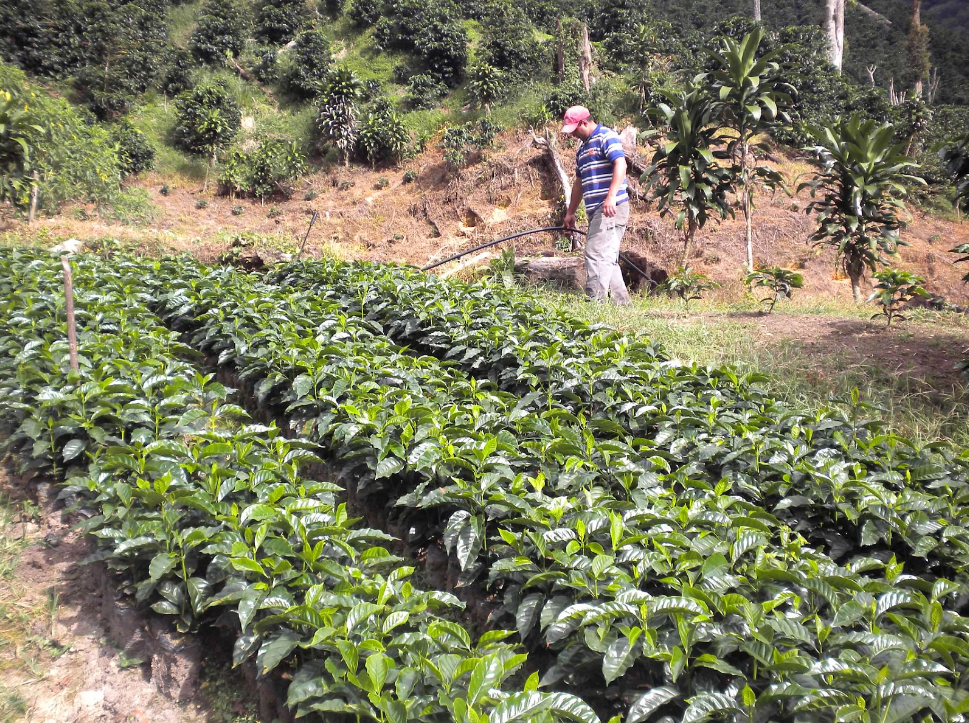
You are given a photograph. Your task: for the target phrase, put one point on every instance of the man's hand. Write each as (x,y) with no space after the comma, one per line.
(569,221)
(609,206)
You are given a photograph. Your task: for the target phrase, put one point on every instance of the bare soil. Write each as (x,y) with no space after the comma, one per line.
(55,663)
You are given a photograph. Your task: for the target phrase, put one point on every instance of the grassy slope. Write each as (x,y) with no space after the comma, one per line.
(803,364)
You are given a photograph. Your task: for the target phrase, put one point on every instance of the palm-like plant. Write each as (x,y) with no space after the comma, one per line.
(753,100)
(955,156)
(485,84)
(337,116)
(684,176)
(857,191)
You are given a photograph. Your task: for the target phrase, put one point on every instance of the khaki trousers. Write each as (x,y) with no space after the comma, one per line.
(602,256)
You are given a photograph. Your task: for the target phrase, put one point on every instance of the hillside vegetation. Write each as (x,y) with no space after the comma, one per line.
(282,88)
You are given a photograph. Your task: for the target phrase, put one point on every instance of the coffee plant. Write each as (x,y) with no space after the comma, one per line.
(688,285)
(641,524)
(266,65)
(368,293)
(310,65)
(424,91)
(278,21)
(894,289)
(136,154)
(955,157)
(177,72)
(121,51)
(196,509)
(779,282)
(43,36)
(383,137)
(221,31)
(206,118)
(271,169)
(485,84)
(432,31)
(508,41)
(459,143)
(365,13)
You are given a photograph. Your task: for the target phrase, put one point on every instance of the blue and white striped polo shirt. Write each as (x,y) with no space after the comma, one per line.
(594,161)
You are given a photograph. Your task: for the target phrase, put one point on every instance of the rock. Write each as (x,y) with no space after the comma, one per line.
(569,271)
(635,281)
(90,698)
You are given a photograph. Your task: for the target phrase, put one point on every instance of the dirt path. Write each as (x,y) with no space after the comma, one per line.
(55,663)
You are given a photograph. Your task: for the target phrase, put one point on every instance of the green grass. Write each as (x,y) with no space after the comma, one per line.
(824,376)
(181,21)
(356,50)
(155,117)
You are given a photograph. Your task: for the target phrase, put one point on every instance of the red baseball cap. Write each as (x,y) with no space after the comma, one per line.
(573,116)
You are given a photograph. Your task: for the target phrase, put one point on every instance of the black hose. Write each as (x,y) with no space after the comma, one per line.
(498,241)
(527,233)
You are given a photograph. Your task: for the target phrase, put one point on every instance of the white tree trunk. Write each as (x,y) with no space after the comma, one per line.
(834,28)
(757,11)
(585,58)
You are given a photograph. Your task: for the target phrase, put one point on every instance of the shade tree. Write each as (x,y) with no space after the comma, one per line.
(859,181)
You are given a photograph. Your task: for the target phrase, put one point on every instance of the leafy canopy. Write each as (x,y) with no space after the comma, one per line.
(684,176)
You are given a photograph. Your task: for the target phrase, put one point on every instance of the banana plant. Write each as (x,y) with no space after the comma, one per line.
(857,191)
(753,101)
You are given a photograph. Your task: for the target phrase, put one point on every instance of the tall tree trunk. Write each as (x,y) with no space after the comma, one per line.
(834,28)
(559,53)
(585,58)
(748,206)
(688,241)
(757,11)
(855,270)
(918,48)
(749,222)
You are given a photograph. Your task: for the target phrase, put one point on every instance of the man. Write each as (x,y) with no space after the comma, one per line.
(601,181)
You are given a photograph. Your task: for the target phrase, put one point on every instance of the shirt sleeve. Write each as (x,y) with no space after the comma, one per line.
(612,147)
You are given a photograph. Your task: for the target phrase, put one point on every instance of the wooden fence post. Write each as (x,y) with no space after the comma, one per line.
(69,298)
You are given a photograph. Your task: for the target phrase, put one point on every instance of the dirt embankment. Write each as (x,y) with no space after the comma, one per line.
(377,214)
(62,659)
